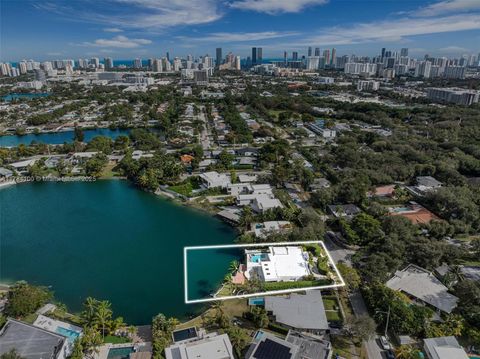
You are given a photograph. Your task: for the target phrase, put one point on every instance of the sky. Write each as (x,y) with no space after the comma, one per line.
(126,29)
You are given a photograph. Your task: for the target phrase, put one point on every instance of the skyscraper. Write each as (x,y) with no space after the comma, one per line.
(326,55)
(254,56)
(108,62)
(404,52)
(334,57)
(309,51)
(383,52)
(219,57)
(259,55)
(317,51)
(295,56)
(137,63)
(285,57)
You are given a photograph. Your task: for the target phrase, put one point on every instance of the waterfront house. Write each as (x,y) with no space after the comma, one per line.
(278,264)
(422,286)
(444,348)
(214,179)
(56,326)
(264,229)
(304,312)
(264,202)
(5,172)
(31,342)
(424,185)
(199,345)
(343,210)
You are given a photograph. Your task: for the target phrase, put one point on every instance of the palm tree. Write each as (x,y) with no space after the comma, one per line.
(91,340)
(233,266)
(90,307)
(407,352)
(456,273)
(103,315)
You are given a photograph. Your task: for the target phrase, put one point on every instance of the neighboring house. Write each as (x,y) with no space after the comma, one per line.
(192,345)
(344,210)
(424,185)
(31,342)
(303,312)
(319,183)
(264,202)
(414,212)
(5,173)
(383,191)
(279,264)
(264,229)
(56,326)
(444,348)
(295,346)
(22,166)
(215,180)
(423,286)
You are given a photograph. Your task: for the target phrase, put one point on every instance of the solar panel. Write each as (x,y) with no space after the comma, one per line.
(269,349)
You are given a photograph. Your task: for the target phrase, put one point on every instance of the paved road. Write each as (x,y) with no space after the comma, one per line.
(358,304)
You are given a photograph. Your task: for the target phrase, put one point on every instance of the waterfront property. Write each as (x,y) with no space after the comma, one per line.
(278,264)
(31,342)
(71,332)
(444,348)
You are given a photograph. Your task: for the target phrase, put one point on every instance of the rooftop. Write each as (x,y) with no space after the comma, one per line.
(421,284)
(444,348)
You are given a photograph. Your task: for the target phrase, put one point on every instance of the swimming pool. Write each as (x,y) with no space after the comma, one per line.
(258,257)
(259,335)
(70,334)
(256,301)
(120,353)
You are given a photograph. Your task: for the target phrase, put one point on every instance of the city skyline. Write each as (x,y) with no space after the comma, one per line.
(126,29)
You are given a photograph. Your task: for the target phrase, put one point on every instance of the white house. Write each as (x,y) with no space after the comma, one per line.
(279,264)
(208,346)
(264,202)
(214,179)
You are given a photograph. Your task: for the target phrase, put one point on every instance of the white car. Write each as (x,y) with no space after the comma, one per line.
(385,344)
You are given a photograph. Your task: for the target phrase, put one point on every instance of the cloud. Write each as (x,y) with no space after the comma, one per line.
(137,14)
(395,30)
(453,50)
(117,42)
(448,7)
(275,6)
(239,36)
(112,29)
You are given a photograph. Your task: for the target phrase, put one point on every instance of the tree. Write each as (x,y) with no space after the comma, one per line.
(101,143)
(94,166)
(238,338)
(362,327)
(78,134)
(24,299)
(77,351)
(407,352)
(103,315)
(366,227)
(162,329)
(91,340)
(259,316)
(89,309)
(12,354)
(350,275)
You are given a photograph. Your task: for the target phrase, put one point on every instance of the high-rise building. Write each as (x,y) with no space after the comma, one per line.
(295,56)
(383,52)
(254,56)
(423,69)
(285,57)
(168,56)
(317,51)
(309,51)
(157,65)
(200,77)
(237,63)
(404,52)
(313,62)
(259,55)
(137,63)
(326,54)
(218,61)
(108,62)
(94,61)
(334,57)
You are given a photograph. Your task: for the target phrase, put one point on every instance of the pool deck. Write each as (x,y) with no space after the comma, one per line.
(104,349)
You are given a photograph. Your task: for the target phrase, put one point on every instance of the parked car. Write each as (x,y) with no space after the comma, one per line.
(385,344)
(390,354)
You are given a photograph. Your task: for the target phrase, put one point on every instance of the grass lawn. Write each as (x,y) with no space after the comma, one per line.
(341,346)
(333,316)
(30,318)
(330,304)
(108,171)
(116,340)
(184,189)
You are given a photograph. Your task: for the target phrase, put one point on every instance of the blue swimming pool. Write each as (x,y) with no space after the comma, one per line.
(70,334)
(258,257)
(256,301)
(259,335)
(120,353)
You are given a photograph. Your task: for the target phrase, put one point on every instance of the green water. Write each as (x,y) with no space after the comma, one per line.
(110,241)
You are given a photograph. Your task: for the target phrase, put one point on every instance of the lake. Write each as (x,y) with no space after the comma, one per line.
(58,138)
(108,240)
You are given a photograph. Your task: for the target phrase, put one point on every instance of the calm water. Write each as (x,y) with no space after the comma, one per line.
(110,241)
(22,96)
(58,138)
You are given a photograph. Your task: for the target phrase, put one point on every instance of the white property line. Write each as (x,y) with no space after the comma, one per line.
(250,295)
